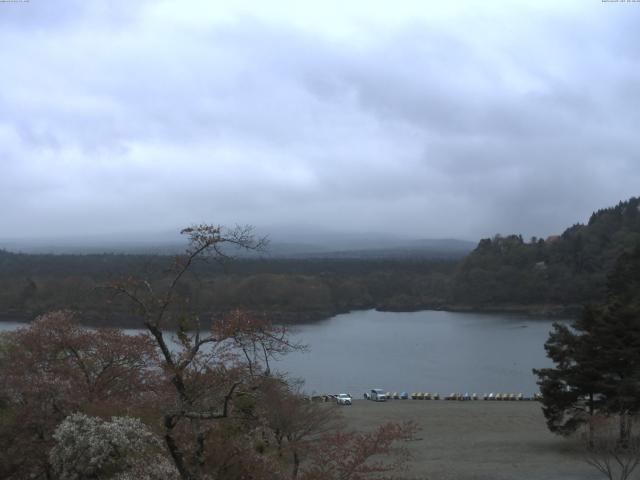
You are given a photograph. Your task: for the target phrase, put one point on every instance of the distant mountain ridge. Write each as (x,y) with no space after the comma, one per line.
(426,248)
(333,245)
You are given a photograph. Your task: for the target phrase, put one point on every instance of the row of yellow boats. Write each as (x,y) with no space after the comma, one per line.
(466,396)
(500,397)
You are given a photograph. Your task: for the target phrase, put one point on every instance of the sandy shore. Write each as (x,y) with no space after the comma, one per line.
(478,440)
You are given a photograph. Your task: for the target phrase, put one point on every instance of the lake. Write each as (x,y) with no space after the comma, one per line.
(427,351)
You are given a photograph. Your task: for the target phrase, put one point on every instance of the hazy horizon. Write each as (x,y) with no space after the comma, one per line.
(440,120)
(282,241)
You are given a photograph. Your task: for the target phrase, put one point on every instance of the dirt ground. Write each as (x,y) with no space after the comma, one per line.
(478,440)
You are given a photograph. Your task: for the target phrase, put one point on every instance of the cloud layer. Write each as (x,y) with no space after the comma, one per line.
(427,121)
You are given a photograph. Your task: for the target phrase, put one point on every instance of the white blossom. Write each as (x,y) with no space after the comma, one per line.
(120,449)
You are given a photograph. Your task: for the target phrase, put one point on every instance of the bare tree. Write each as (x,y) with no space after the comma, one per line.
(295,423)
(220,405)
(349,455)
(606,452)
(207,372)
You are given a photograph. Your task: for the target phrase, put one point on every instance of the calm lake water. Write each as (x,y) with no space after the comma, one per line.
(426,351)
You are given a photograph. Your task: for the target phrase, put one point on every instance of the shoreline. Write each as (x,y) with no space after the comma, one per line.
(289,318)
(534,310)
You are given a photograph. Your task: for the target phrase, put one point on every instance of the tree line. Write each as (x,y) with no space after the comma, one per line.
(291,290)
(567,269)
(503,272)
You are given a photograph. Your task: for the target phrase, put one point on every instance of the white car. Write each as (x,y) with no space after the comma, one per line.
(343,399)
(378,395)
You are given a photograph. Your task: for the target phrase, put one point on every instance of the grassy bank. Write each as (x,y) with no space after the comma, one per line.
(478,440)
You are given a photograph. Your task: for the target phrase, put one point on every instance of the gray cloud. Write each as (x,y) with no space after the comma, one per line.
(115,118)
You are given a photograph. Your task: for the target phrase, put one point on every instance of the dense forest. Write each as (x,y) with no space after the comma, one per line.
(553,275)
(292,290)
(562,270)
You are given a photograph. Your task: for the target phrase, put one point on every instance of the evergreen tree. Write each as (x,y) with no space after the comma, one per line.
(597,358)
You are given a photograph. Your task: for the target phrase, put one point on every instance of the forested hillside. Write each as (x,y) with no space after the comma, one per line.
(552,275)
(567,269)
(288,289)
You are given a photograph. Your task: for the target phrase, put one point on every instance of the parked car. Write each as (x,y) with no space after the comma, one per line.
(378,395)
(343,399)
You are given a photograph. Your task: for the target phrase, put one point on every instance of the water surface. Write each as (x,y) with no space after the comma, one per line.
(428,351)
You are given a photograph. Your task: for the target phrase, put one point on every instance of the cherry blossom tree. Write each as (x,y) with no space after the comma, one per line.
(53,368)
(215,375)
(225,406)
(207,399)
(121,448)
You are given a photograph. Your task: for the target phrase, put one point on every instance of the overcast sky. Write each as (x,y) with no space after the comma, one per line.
(429,118)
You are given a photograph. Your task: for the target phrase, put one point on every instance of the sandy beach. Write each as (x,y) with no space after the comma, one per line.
(478,440)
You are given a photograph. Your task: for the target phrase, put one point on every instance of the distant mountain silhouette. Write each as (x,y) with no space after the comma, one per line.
(282,244)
